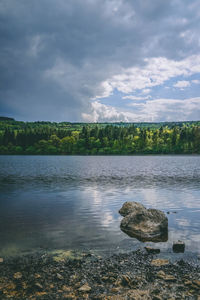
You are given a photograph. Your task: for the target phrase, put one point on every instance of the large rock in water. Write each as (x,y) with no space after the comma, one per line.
(144,224)
(129,207)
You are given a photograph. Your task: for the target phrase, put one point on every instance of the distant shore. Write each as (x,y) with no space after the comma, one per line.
(135,275)
(99,155)
(46,138)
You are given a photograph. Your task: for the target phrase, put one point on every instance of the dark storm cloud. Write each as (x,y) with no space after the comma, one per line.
(55,54)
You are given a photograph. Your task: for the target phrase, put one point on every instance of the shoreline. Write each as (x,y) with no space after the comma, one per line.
(101,155)
(133,275)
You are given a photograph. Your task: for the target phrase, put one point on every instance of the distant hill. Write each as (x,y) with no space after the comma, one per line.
(6,119)
(13,124)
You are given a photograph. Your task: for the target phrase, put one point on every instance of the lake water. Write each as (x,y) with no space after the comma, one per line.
(72,202)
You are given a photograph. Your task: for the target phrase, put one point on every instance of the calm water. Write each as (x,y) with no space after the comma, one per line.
(60,202)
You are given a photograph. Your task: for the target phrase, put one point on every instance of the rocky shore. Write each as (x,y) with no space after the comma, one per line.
(135,275)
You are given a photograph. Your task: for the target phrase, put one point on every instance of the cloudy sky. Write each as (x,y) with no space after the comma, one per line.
(100,60)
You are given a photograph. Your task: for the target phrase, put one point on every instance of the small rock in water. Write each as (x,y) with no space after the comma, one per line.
(17,275)
(178,247)
(151,250)
(1,260)
(84,288)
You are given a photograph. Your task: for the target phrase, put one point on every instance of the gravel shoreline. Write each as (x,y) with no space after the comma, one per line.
(134,275)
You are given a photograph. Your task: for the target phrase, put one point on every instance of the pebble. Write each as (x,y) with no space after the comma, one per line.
(115,290)
(162,275)
(1,260)
(188,282)
(197,283)
(84,288)
(69,296)
(38,285)
(156,298)
(59,276)
(66,288)
(139,277)
(17,275)
(125,280)
(159,262)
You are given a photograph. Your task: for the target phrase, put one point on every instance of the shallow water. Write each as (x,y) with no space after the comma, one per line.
(72,202)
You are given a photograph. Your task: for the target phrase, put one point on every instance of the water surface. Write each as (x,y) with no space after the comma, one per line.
(72,202)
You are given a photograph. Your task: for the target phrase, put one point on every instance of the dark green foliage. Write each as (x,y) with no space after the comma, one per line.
(6,119)
(98,139)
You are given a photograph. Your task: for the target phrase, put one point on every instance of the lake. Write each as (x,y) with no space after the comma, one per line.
(72,202)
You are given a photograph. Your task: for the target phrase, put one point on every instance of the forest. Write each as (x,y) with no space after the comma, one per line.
(65,138)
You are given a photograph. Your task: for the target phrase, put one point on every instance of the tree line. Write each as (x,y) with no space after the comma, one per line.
(94,139)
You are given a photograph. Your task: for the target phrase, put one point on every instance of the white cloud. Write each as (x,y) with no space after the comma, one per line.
(152,111)
(104,113)
(196,81)
(169,109)
(182,84)
(106,90)
(146,91)
(155,72)
(132,97)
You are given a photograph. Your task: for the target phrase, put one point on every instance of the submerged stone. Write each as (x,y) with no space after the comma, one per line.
(151,250)
(178,247)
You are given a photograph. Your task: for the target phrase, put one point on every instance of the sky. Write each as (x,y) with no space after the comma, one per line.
(100,60)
